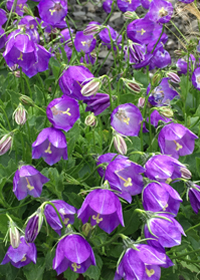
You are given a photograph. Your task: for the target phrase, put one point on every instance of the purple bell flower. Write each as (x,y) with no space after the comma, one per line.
(22,255)
(107,5)
(73,79)
(104,208)
(156,117)
(3,17)
(51,145)
(63,112)
(196,78)
(65,35)
(98,103)
(2,38)
(125,177)
(85,43)
(28,180)
(75,252)
(19,6)
(194,196)
(104,36)
(128,5)
(165,168)
(126,119)
(161,59)
(66,212)
(160,11)
(176,140)
(166,230)
(162,94)
(182,64)
(33,227)
(145,4)
(161,197)
(141,264)
(52,12)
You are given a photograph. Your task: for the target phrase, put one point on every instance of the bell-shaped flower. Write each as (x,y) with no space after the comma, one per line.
(128,5)
(105,37)
(28,180)
(163,228)
(125,177)
(73,79)
(2,38)
(160,11)
(66,212)
(141,263)
(155,117)
(176,140)
(165,168)
(161,197)
(22,255)
(51,145)
(98,103)
(104,208)
(145,4)
(63,112)
(19,6)
(3,17)
(194,196)
(196,78)
(85,43)
(126,119)
(161,59)
(52,12)
(107,5)
(33,227)
(182,64)
(75,252)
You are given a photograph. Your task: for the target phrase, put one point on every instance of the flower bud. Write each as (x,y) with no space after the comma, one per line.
(5,143)
(17,74)
(156,78)
(33,227)
(86,228)
(141,102)
(20,115)
(14,237)
(14,67)
(91,88)
(185,173)
(26,100)
(91,120)
(130,15)
(173,77)
(91,29)
(166,111)
(179,53)
(132,85)
(120,144)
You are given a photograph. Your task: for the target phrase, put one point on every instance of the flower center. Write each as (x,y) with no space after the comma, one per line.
(55,111)
(142,31)
(165,207)
(28,185)
(121,115)
(66,220)
(48,150)
(149,272)
(23,259)
(56,8)
(168,181)
(97,218)
(127,182)
(198,79)
(20,57)
(75,266)
(162,12)
(178,146)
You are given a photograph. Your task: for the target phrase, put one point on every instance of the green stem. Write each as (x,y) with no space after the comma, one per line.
(5,116)
(50,203)
(179,31)
(108,17)
(163,29)
(10,14)
(185,254)
(192,227)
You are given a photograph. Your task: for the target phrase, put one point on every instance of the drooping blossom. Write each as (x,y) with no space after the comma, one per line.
(98,103)
(161,59)
(126,119)
(105,35)
(182,64)
(63,112)
(161,197)
(155,117)
(107,5)
(165,168)
(196,78)
(75,252)
(160,11)
(33,227)
(72,80)
(128,5)
(51,145)
(194,196)
(28,180)
(141,263)
(165,229)
(52,12)
(176,140)
(66,212)
(22,255)
(104,208)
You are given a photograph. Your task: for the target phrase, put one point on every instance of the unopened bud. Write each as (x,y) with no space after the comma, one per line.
(17,74)
(91,88)
(14,67)
(179,53)
(92,29)
(141,102)
(26,10)
(55,31)
(5,144)
(26,100)
(91,120)
(33,227)
(166,111)
(132,85)
(69,43)
(130,15)
(120,144)
(86,228)
(173,77)
(156,78)
(14,237)
(185,173)
(20,115)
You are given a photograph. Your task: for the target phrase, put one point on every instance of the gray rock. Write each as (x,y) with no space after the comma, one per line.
(115,16)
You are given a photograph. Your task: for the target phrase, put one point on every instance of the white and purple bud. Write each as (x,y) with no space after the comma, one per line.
(141,102)
(91,120)
(166,111)
(5,143)
(26,100)
(132,85)
(120,144)
(14,236)
(20,115)
(17,74)
(34,226)
(92,29)
(91,88)
(130,15)
(173,77)
(185,173)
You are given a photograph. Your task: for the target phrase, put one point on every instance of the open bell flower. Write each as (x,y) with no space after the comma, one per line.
(75,252)
(104,208)
(194,196)
(51,145)
(176,140)
(160,11)
(63,112)
(22,255)
(28,180)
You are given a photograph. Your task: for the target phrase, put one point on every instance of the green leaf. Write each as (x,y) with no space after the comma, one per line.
(94,272)
(189,266)
(39,95)
(198,165)
(34,271)
(3,223)
(132,222)
(71,275)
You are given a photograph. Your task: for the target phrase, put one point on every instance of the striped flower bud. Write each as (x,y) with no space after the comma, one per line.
(92,29)
(20,115)
(185,173)
(91,120)
(141,102)
(91,88)
(130,15)
(26,100)
(120,144)
(173,77)
(166,111)
(132,85)
(5,143)
(14,237)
